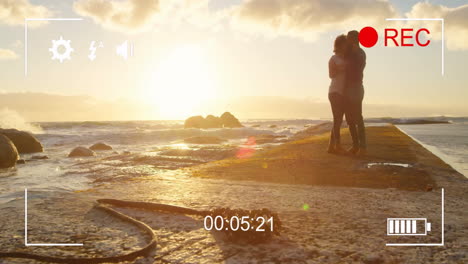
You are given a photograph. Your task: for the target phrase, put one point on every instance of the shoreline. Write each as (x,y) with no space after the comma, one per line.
(434,150)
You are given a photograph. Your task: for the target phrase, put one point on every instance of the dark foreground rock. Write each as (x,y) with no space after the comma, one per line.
(8,153)
(225,120)
(100,146)
(24,142)
(81,152)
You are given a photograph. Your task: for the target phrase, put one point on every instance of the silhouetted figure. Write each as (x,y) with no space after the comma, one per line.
(354,93)
(336,91)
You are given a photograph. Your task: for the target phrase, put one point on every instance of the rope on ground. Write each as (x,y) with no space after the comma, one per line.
(103,204)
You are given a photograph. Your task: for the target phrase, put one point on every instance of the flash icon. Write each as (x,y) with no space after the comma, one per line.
(92,50)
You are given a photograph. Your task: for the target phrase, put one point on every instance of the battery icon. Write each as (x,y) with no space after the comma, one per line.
(408,227)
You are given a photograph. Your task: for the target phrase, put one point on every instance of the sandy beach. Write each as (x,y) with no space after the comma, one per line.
(333,208)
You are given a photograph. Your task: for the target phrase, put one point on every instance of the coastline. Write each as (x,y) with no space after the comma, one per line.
(341,223)
(434,150)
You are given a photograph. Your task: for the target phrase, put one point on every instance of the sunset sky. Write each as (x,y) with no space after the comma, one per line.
(256,58)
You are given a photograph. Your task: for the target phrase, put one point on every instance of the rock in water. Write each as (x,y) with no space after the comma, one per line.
(23,141)
(230,120)
(8,153)
(211,121)
(195,122)
(100,146)
(81,152)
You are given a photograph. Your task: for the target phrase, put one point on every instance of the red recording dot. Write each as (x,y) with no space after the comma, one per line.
(368,37)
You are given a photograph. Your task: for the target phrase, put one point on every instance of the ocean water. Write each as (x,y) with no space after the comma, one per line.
(139,148)
(448,141)
(143,148)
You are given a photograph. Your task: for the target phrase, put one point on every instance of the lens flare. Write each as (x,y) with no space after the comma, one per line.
(247,149)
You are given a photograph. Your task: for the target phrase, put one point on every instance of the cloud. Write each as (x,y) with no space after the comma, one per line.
(6,54)
(126,16)
(135,16)
(307,19)
(194,12)
(455,20)
(304,19)
(13,12)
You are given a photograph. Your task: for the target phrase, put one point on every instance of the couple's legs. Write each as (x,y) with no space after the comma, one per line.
(355,122)
(337,105)
(361,130)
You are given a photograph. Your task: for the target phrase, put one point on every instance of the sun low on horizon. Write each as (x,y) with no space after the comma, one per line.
(180,82)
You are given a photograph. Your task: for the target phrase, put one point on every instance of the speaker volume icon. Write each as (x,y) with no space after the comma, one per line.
(124,50)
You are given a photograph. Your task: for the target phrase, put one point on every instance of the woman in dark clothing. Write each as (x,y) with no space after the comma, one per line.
(336,92)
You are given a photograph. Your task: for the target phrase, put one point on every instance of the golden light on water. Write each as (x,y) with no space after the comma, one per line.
(179,146)
(183,81)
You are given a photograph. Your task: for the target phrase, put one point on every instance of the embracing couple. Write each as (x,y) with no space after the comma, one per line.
(346,92)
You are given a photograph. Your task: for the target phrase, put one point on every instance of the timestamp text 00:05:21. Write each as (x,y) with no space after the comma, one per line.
(235,223)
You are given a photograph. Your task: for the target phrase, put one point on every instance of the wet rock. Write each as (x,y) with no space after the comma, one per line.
(204,140)
(272,126)
(21,161)
(229,120)
(8,153)
(100,146)
(24,142)
(40,157)
(81,152)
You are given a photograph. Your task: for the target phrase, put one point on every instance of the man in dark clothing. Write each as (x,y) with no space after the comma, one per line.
(354,92)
